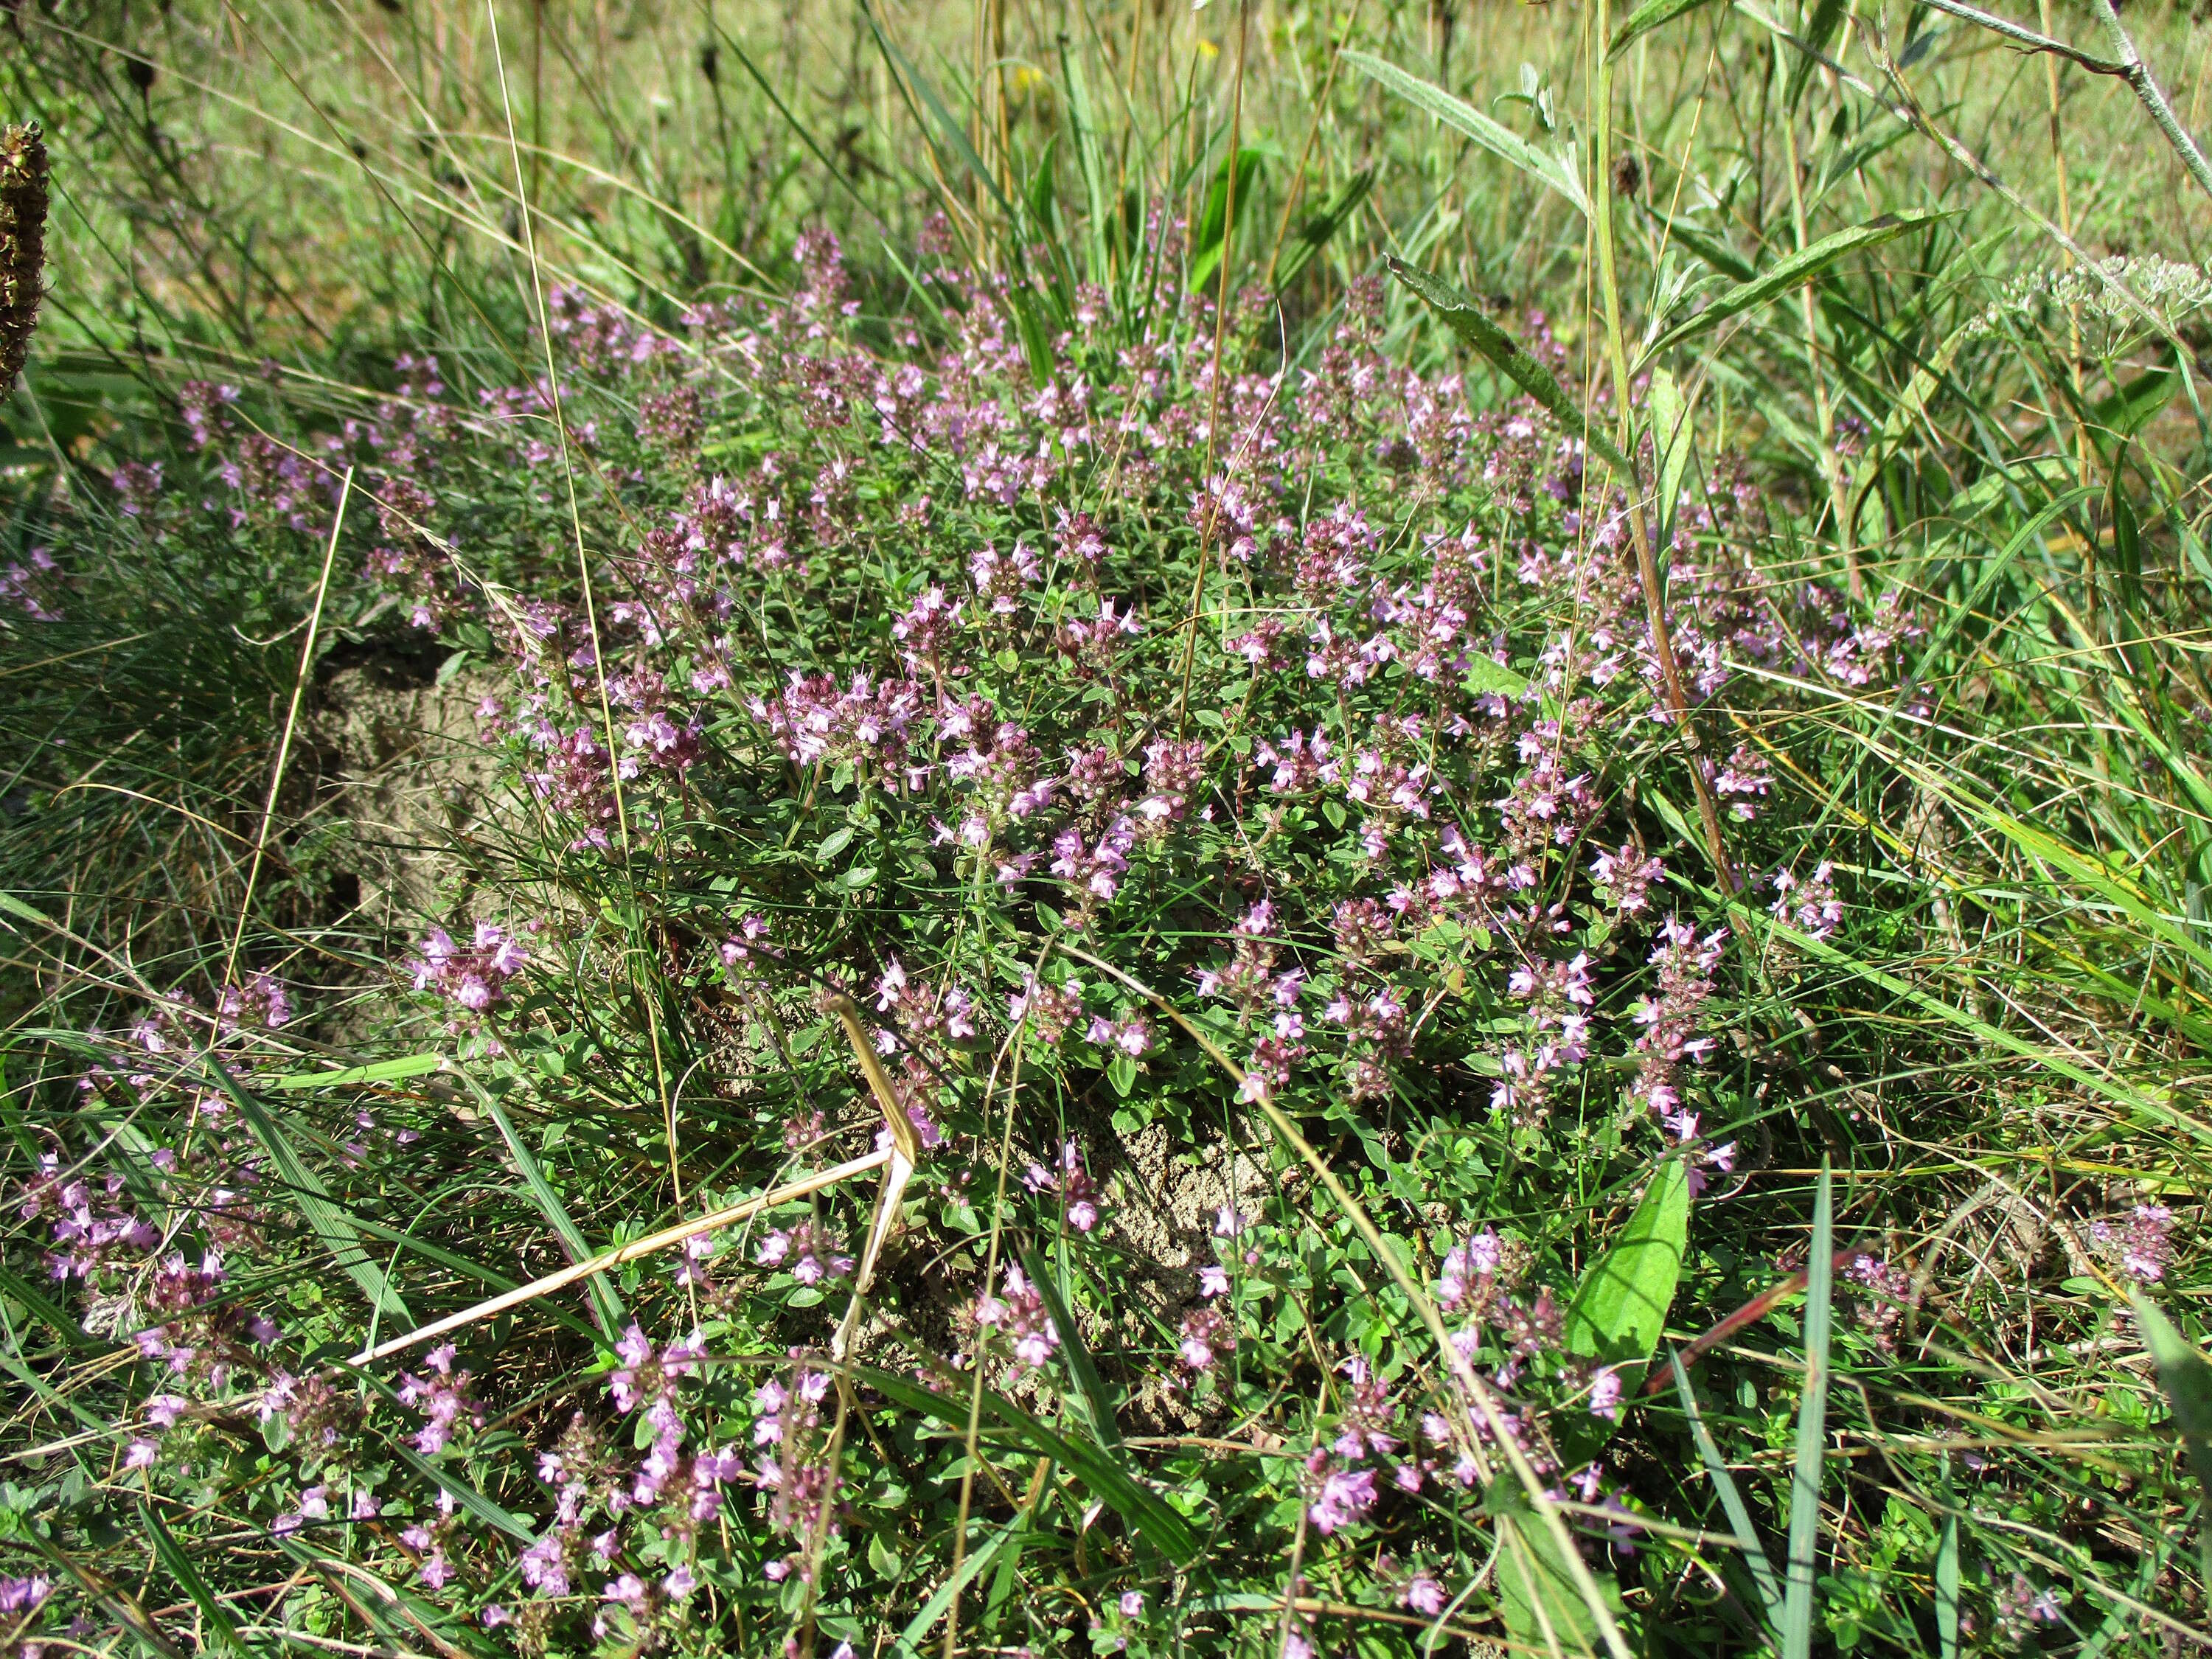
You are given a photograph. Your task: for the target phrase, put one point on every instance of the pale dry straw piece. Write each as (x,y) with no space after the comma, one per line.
(22,243)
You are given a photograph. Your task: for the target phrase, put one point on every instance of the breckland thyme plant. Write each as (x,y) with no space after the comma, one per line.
(1025,702)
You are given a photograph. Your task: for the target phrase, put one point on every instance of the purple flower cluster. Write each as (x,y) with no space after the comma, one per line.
(472,977)
(2141,1241)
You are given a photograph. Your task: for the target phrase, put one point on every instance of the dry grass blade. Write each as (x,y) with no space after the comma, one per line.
(652,1244)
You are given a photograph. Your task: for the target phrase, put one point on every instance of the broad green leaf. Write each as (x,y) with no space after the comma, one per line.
(1215,225)
(2186,1376)
(1543,1606)
(1488,674)
(1782,275)
(1503,350)
(2128,410)
(1553,172)
(1044,192)
(1620,1308)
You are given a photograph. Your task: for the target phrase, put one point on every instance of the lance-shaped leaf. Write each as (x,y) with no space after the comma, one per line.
(1652,15)
(1553,172)
(1620,1307)
(1544,1607)
(1800,267)
(1504,352)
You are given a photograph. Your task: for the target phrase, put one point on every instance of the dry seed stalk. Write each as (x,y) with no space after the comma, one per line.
(22,243)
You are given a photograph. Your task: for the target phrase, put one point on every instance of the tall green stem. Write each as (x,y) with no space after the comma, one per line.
(1639,523)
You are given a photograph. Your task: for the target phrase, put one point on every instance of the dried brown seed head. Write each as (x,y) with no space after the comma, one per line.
(22,243)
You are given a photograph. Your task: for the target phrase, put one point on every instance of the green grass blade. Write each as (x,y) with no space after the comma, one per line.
(1321,227)
(956,135)
(1812,1430)
(47,1312)
(1142,1507)
(1652,15)
(466,1496)
(384,1070)
(1732,1503)
(331,1224)
(214,1618)
(918,1627)
(495,1282)
(1947,1590)
(799,129)
(1091,162)
(1673,442)
(121,1605)
(1094,1401)
(1755,919)
(606,1306)
(405,1619)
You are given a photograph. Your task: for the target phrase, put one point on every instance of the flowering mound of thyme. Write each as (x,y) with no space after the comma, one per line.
(1150,736)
